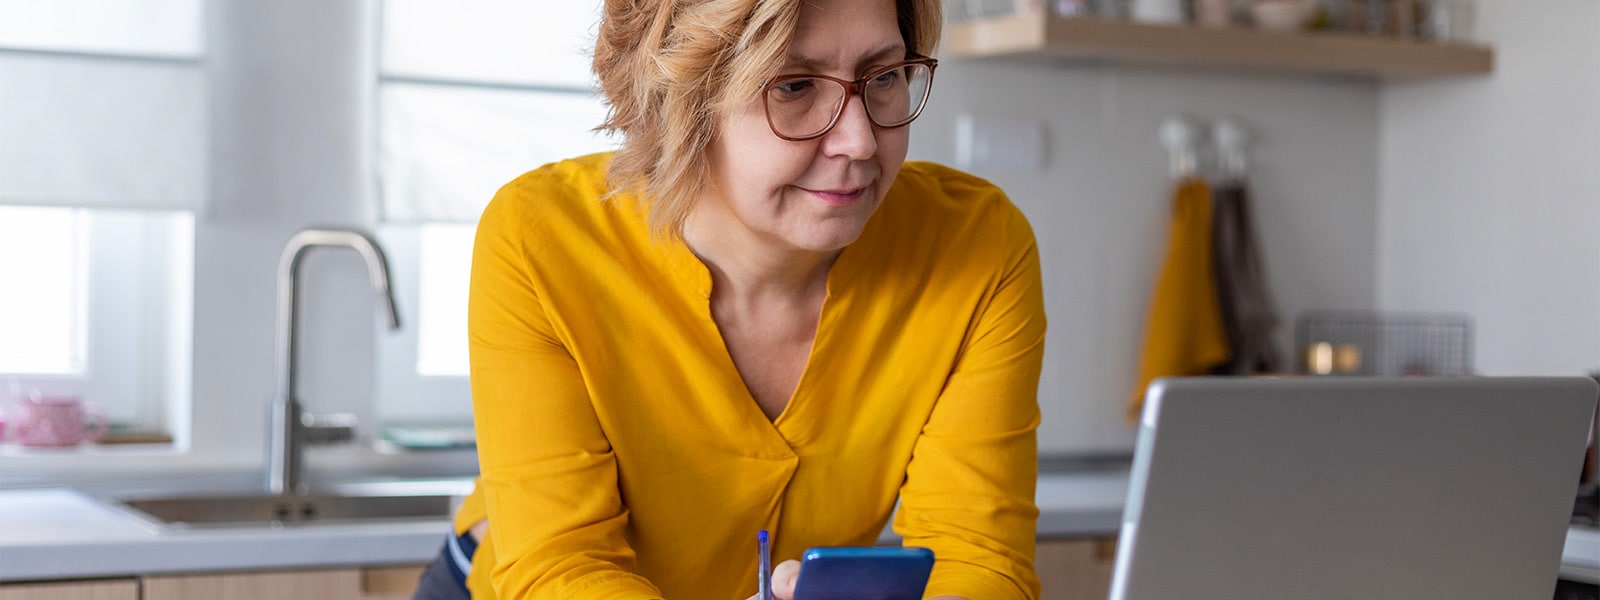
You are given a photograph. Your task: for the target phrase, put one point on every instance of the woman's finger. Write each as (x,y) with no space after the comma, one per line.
(784,577)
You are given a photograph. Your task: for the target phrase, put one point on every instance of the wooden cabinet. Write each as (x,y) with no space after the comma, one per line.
(389,583)
(341,583)
(371,583)
(1075,569)
(110,589)
(1069,569)
(1052,38)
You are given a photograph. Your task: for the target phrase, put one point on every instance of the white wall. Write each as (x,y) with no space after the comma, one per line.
(289,150)
(1100,207)
(1490,200)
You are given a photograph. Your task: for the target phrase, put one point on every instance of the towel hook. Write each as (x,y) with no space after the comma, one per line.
(1230,140)
(1181,136)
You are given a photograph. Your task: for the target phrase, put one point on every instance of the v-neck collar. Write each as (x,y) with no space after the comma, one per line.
(693,276)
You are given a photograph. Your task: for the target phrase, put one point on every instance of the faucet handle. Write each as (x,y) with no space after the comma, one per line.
(327,429)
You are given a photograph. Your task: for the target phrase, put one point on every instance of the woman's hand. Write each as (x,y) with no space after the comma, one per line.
(787,573)
(783,578)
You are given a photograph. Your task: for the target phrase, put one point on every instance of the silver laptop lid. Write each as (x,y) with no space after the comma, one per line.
(1352,488)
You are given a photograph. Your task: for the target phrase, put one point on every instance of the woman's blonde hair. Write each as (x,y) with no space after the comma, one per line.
(669,67)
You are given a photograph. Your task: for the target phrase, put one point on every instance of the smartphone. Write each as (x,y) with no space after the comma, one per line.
(877,572)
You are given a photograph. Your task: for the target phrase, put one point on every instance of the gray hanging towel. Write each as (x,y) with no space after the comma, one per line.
(1248,314)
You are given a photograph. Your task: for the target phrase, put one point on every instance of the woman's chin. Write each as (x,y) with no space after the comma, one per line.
(828,235)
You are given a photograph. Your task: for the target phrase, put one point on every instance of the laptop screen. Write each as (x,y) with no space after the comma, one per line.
(1341,488)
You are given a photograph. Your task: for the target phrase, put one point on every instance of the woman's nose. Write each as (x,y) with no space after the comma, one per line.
(853,136)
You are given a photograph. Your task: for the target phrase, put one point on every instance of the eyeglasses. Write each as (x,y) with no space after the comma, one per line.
(804,107)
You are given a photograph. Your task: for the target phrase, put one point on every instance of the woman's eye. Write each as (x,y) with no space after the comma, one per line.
(887,78)
(793,89)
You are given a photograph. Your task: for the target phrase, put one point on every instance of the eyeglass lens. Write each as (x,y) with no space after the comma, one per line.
(802,107)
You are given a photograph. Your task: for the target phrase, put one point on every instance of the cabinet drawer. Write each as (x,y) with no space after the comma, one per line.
(1075,569)
(111,589)
(370,583)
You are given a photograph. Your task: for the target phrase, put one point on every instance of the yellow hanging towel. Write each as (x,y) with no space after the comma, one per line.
(1184,333)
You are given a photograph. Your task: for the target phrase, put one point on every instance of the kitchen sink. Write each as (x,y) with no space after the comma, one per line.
(289,510)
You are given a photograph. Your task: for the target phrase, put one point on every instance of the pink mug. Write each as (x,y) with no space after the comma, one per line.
(58,420)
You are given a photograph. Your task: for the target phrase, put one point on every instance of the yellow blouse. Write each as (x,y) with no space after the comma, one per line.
(623,457)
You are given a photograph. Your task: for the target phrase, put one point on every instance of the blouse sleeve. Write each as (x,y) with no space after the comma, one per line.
(548,475)
(969,488)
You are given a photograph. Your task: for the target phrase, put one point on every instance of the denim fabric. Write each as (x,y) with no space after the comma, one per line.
(446,577)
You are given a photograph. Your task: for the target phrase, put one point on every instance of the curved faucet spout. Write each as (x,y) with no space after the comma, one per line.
(289,282)
(285,429)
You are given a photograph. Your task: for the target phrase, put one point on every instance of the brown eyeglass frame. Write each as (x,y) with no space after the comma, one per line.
(852,89)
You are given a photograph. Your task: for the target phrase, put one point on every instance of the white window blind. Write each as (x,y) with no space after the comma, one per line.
(501,41)
(104,104)
(472,94)
(153,28)
(103,117)
(445,149)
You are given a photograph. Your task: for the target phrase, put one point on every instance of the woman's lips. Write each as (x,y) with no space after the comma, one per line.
(839,197)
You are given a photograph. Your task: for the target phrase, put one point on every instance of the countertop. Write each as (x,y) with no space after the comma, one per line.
(56,533)
(61,533)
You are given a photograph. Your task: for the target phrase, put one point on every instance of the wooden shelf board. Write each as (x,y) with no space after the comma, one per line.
(1058,38)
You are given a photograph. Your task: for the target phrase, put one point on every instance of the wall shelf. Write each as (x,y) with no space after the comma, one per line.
(1051,38)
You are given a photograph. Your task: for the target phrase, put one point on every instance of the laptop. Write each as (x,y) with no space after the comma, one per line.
(1352,488)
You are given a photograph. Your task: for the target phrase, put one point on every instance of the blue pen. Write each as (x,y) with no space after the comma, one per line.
(764,569)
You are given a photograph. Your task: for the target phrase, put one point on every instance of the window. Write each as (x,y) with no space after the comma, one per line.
(102,164)
(470,95)
(42,309)
(96,303)
(442,303)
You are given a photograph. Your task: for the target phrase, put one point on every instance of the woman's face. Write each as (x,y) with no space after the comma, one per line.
(817,194)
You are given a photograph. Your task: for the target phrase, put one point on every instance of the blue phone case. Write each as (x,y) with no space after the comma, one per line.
(852,572)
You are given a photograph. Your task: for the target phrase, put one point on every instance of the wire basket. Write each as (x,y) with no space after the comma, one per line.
(1380,343)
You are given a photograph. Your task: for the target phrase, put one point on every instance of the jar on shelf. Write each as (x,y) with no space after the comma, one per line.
(1111,9)
(1282,15)
(1449,21)
(974,10)
(1392,18)
(1370,17)
(1213,13)
(1072,8)
(1405,18)
(1328,15)
(1158,11)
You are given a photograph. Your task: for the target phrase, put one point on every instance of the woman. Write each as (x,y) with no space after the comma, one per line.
(753,316)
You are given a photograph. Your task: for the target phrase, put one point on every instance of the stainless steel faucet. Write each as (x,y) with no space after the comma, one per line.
(290,428)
